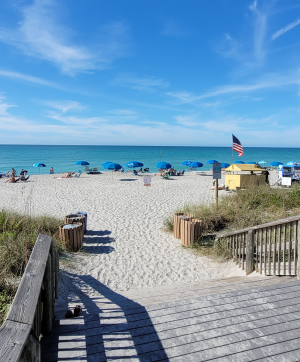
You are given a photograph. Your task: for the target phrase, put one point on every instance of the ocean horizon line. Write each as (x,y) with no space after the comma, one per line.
(66,145)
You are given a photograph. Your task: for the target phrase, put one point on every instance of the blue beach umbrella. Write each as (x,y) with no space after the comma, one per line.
(132,164)
(276,163)
(112,166)
(105,163)
(195,164)
(39,165)
(239,162)
(82,163)
(251,163)
(163,165)
(224,164)
(212,161)
(186,163)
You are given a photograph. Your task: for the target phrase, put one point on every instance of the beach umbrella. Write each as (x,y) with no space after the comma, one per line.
(163,165)
(39,165)
(82,163)
(224,164)
(186,163)
(112,166)
(251,163)
(292,163)
(132,164)
(195,164)
(276,163)
(239,162)
(262,162)
(105,163)
(212,161)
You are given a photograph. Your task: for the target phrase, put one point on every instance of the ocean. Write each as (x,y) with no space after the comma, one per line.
(63,158)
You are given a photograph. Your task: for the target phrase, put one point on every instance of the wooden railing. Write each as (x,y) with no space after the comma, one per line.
(270,248)
(32,310)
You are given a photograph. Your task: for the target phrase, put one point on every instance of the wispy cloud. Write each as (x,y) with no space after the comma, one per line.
(41,36)
(28,78)
(172,28)
(230,48)
(147,84)
(83,121)
(4,106)
(268,81)
(187,121)
(64,106)
(260,23)
(285,29)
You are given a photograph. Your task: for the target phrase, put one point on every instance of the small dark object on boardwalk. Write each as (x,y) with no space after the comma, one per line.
(69,314)
(77,311)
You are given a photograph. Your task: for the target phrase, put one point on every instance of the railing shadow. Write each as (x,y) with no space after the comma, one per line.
(112,326)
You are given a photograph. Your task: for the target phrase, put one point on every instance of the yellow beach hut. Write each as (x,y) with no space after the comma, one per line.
(240,176)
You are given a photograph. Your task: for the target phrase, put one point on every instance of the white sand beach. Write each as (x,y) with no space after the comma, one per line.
(125,247)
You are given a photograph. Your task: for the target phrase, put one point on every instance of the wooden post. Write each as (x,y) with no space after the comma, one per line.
(53,279)
(250,252)
(216,192)
(31,351)
(47,298)
(56,274)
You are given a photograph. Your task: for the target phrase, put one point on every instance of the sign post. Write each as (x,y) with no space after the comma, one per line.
(216,176)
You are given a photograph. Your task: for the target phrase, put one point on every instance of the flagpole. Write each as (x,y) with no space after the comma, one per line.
(232,151)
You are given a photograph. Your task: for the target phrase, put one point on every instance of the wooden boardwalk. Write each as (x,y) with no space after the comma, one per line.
(232,319)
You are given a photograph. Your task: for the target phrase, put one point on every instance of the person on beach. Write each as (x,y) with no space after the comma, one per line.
(51,170)
(266,173)
(122,169)
(13,179)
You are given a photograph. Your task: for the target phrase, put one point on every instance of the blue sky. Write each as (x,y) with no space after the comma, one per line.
(150,72)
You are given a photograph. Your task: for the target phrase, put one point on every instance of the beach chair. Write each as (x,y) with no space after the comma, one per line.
(95,169)
(166,176)
(87,169)
(24,178)
(78,174)
(146,169)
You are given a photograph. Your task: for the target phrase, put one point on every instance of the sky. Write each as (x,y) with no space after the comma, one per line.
(178,73)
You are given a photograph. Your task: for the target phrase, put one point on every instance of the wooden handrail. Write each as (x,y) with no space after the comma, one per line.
(32,310)
(261,226)
(269,245)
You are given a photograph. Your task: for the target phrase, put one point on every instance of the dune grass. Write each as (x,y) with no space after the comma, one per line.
(245,208)
(18,234)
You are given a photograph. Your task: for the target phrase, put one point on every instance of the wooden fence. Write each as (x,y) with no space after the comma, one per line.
(270,248)
(32,310)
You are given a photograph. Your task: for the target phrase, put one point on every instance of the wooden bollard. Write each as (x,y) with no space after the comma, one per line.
(71,235)
(76,219)
(191,230)
(177,223)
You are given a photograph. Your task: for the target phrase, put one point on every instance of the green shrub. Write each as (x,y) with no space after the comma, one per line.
(244,208)
(18,234)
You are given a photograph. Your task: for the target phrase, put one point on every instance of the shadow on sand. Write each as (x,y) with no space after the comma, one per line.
(95,242)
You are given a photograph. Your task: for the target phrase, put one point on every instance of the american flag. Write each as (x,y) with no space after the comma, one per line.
(237,146)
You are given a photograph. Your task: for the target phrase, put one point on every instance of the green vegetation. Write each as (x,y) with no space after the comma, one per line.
(18,234)
(245,208)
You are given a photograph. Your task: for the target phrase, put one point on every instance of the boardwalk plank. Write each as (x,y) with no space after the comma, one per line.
(238,325)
